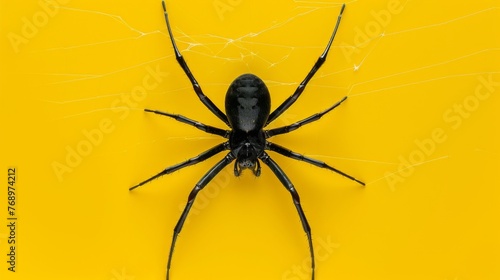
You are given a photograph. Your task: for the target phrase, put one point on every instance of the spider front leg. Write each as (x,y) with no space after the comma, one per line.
(191,198)
(296,201)
(291,154)
(201,157)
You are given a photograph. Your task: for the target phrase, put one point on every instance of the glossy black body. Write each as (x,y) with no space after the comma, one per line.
(248,104)
(248,112)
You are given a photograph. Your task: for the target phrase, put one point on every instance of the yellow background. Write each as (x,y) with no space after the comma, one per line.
(405,69)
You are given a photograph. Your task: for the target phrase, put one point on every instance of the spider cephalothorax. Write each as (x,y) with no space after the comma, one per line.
(248,107)
(247,158)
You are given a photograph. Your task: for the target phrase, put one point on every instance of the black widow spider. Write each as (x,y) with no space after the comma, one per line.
(248,105)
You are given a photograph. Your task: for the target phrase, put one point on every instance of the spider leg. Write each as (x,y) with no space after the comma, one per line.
(198,187)
(200,126)
(201,157)
(180,59)
(296,200)
(290,100)
(292,127)
(291,154)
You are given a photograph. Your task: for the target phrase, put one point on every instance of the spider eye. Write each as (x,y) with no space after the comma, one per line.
(246,163)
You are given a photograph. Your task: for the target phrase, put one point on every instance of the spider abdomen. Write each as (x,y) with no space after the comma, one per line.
(248,103)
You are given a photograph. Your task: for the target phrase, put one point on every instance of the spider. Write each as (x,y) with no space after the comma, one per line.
(248,107)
